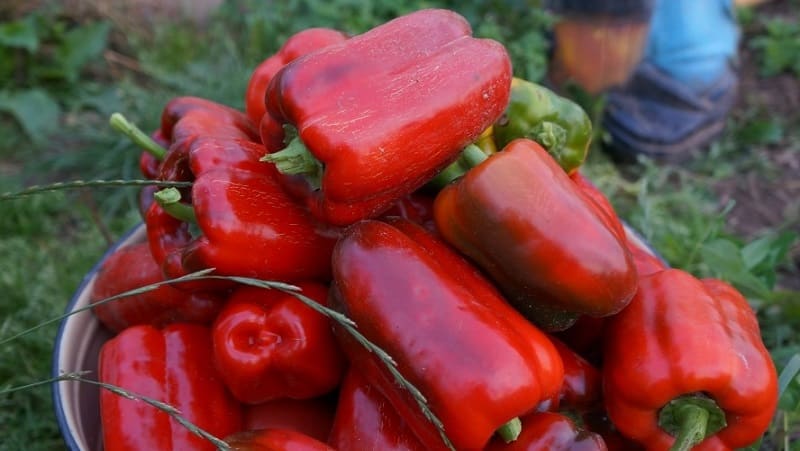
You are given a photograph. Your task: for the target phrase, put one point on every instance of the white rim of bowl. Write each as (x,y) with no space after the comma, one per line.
(69,422)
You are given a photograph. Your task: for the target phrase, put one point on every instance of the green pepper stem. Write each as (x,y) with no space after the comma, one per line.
(470,156)
(693,423)
(121,124)
(473,155)
(511,430)
(170,200)
(691,419)
(450,173)
(296,159)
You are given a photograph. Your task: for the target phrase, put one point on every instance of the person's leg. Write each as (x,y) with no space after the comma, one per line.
(683,86)
(678,99)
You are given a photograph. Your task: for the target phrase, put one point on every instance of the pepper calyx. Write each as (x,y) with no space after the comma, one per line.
(296,159)
(170,200)
(551,136)
(510,431)
(691,419)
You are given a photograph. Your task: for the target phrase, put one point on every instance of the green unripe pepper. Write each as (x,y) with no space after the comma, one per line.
(557,123)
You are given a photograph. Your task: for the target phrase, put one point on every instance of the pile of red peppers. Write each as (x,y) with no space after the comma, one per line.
(403,184)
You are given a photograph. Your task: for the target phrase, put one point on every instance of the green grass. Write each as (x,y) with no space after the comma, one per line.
(53,126)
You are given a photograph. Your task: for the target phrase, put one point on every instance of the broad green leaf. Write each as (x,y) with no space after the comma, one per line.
(768,250)
(35,111)
(80,46)
(20,34)
(724,258)
(789,374)
(763,255)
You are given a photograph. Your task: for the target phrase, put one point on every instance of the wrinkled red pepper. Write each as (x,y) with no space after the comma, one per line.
(550,431)
(275,440)
(312,417)
(172,365)
(522,219)
(250,226)
(381,113)
(685,367)
(366,421)
(448,329)
(132,267)
(300,43)
(268,345)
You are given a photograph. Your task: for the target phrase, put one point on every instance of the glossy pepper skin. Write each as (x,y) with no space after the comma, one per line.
(312,417)
(557,123)
(582,388)
(275,440)
(543,242)
(550,431)
(600,202)
(227,117)
(680,337)
(269,345)
(132,267)
(172,365)
(366,421)
(300,43)
(446,326)
(384,111)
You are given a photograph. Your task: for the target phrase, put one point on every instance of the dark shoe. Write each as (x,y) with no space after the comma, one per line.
(656,116)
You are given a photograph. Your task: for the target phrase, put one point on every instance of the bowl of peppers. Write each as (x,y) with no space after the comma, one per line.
(412,260)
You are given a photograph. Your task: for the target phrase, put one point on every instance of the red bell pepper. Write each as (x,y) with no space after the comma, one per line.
(204,141)
(268,345)
(597,421)
(582,387)
(601,203)
(227,118)
(585,337)
(150,158)
(250,226)
(646,262)
(275,440)
(550,431)
(521,218)
(300,43)
(132,267)
(312,417)
(366,421)
(174,366)
(447,328)
(685,367)
(643,258)
(381,113)
(417,207)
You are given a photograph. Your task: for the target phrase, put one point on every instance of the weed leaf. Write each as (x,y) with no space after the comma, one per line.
(35,111)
